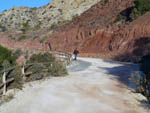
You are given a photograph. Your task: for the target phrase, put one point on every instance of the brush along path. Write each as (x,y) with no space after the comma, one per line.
(93,87)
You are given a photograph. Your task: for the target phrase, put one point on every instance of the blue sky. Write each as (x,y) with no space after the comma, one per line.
(7,4)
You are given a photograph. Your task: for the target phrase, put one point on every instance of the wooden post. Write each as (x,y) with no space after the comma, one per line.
(51,65)
(67,61)
(23,72)
(4,82)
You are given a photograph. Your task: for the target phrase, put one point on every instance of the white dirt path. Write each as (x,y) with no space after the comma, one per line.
(93,86)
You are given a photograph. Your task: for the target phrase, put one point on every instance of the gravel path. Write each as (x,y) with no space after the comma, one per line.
(93,86)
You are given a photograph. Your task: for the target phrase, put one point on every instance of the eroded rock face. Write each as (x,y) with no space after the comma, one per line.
(133,39)
(94,33)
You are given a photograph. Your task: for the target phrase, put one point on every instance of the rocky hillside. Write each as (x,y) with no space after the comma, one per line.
(54,13)
(96,33)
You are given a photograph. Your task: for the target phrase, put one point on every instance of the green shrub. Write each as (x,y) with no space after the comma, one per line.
(41,57)
(37,27)
(142,6)
(47,66)
(64,22)
(143,81)
(74,16)
(18,79)
(22,37)
(25,27)
(135,14)
(17,53)
(6,59)
(130,14)
(26,56)
(58,69)
(6,55)
(44,39)
(54,26)
(120,17)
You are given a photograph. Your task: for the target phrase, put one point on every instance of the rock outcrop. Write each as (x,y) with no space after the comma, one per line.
(56,12)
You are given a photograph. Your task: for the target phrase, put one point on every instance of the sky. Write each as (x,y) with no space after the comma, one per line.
(7,4)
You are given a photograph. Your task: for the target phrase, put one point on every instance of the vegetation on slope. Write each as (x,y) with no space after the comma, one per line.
(141,7)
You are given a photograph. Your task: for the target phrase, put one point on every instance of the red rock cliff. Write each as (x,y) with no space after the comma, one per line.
(92,32)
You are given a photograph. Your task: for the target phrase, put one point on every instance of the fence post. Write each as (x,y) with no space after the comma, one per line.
(51,65)
(23,72)
(4,82)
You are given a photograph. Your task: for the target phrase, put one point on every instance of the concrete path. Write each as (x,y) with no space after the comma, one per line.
(93,86)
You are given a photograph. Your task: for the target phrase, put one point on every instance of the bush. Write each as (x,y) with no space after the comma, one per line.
(22,37)
(44,39)
(6,59)
(142,81)
(37,27)
(48,67)
(135,14)
(41,57)
(6,56)
(142,6)
(130,14)
(54,26)
(142,84)
(25,27)
(17,53)
(18,79)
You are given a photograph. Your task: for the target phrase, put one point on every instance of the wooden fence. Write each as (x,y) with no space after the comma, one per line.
(63,57)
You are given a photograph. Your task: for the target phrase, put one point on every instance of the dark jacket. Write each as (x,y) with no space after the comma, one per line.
(76,52)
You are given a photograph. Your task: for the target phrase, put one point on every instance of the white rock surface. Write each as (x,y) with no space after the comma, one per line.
(56,12)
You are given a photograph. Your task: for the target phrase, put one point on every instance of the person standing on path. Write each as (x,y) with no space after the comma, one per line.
(75,52)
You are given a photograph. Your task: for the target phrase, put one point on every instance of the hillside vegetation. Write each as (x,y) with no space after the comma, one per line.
(56,12)
(130,14)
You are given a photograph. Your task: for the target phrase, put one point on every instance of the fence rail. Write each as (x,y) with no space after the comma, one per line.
(63,57)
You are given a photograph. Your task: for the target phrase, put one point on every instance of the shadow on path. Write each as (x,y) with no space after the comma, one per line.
(122,72)
(78,65)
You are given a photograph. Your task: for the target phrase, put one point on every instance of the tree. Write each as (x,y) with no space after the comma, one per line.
(142,6)
(6,55)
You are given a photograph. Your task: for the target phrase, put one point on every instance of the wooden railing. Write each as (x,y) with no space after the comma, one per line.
(63,57)
(66,57)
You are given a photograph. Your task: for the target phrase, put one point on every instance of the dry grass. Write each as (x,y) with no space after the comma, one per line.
(6,99)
